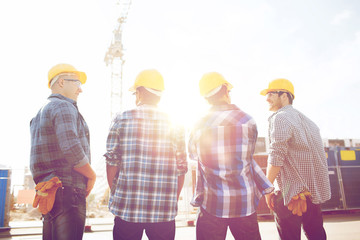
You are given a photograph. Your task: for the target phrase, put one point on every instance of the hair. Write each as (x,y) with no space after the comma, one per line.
(289,95)
(217,99)
(148,97)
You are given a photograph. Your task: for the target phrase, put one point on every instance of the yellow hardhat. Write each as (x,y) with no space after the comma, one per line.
(210,81)
(65,68)
(149,78)
(280,84)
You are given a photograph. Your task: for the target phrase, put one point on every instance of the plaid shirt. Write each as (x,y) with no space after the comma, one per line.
(150,154)
(229,182)
(296,146)
(59,141)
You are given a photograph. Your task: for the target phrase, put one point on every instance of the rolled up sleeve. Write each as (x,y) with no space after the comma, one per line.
(279,133)
(113,155)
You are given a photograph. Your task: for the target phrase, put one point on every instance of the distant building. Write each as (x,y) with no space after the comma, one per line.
(261,145)
(346,142)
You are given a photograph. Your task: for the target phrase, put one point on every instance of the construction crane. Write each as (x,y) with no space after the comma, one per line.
(115,58)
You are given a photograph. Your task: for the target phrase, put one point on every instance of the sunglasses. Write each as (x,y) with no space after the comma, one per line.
(274,92)
(77,82)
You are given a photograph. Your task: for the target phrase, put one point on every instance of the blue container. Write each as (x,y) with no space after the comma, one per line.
(335,202)
(351,183)
(331,158)
(4,175)
(349,157)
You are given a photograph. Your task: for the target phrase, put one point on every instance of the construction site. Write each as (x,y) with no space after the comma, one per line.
(19,220)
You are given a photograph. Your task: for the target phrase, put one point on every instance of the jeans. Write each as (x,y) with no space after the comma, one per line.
(209,227)
(289,225)
(124,230)
(66,221)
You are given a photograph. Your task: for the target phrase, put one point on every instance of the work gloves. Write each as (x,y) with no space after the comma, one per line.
(45,194)
(297,204)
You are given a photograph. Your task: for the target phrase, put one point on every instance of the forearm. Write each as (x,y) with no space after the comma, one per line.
(111,172)
(89,173)
(272,172)
(86,170)
(181,180)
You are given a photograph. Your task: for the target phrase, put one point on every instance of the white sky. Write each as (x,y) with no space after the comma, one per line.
(315,44)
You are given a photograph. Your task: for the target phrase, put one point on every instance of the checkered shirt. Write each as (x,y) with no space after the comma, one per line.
(59,141)
(150,154)
(296,146)
(229,182)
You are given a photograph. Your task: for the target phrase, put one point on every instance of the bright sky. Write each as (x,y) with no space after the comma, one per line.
(315,44)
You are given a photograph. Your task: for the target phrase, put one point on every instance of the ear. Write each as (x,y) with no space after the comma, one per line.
(61,82)
(228,97)
(284,98)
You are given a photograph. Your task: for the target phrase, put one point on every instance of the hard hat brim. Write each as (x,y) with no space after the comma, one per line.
(82,77)
(133,89)
(264,92)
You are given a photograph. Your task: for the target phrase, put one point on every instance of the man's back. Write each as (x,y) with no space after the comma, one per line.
(223,142)
(305,156)
(150,154)
(60,140)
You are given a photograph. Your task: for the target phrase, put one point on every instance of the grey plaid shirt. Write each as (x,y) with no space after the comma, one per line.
(59,141)
(296,146)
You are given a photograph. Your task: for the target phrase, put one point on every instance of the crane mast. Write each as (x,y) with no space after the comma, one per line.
(114,58)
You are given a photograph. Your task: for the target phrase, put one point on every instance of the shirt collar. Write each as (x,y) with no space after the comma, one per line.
(285,108)
(57,95)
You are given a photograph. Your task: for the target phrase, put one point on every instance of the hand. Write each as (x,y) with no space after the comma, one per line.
(90,185)
(89,173)
(270,200)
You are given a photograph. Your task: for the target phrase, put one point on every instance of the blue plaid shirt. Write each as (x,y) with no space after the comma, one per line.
(59,141)
(150,155)
(229,182)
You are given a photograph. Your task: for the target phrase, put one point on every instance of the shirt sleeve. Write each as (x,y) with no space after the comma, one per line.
(279,134)
(113,154)
(66,130)
(254,134)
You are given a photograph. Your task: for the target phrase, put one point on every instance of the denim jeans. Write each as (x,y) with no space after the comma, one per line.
(133,231)
(66,221)
(289,225)
(209,227)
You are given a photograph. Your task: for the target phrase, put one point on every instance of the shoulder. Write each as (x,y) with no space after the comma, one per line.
(146,113)
(283,116)
(59,107)
(239,117)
